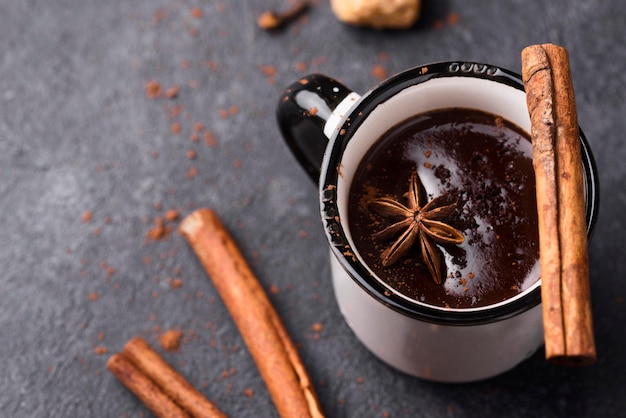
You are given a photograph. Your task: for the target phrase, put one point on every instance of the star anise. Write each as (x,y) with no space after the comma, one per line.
(419,222)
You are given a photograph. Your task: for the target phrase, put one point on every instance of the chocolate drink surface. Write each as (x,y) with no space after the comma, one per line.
(482,165)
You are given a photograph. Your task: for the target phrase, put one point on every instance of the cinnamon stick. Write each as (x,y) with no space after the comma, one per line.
(140,385)
(173,384)
(277,19)
(565,291)
(260,326)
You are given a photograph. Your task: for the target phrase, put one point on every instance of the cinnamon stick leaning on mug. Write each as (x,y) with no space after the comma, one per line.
(261,328)
(565,292)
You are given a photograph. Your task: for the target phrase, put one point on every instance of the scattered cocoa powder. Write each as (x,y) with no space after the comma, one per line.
(317,61)
(453,18)
(175,283)
(158,231)
(170,339)
(172,215)
(196,13)
(172,92)
(209,139)
(153,89)
(212,65)
(158,16)
(173,111)
(270,73)
(110,270)
(379,72)
(160,227)
(191,173)
(100,350)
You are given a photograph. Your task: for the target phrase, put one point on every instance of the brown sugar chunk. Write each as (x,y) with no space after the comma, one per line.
(378,14)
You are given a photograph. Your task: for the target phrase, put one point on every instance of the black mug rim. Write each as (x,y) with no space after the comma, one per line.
(329,177)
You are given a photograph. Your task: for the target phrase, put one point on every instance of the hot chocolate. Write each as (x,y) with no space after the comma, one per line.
(478,167)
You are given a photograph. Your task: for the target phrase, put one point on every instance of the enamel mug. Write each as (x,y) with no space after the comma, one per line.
(329,128)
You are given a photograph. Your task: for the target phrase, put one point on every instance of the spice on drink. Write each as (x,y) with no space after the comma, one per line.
(421,222)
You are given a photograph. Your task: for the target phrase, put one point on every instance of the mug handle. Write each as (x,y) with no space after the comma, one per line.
(308,112)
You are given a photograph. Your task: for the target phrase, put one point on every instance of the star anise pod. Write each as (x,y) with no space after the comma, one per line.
(418,222)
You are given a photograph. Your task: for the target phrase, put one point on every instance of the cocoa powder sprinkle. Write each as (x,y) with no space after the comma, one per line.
(100,350)
(170,339)
(153,89)
(172,92)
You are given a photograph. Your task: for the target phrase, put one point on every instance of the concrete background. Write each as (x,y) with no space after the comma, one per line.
(78,134)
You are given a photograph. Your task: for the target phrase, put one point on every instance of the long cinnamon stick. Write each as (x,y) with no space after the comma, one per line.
(173,384)
(260,326)
(139,384)
(565,292)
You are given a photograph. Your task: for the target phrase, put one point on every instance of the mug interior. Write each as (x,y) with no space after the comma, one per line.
(437,93)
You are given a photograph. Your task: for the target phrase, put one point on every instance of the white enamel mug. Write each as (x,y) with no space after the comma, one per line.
(329,128)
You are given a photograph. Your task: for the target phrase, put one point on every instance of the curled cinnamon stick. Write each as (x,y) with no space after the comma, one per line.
(260,326)
(140,385)
(565,292)
(173,384)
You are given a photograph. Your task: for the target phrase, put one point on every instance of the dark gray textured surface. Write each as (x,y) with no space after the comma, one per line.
(77,133)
